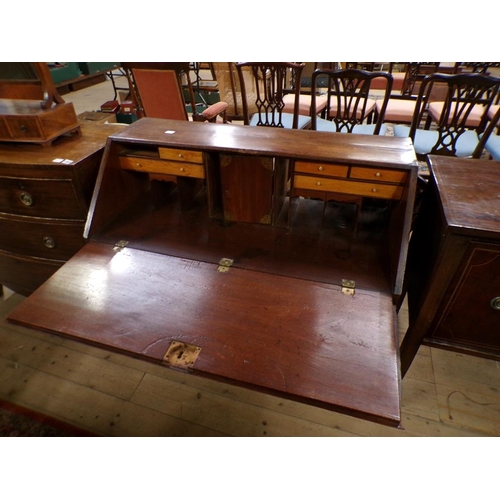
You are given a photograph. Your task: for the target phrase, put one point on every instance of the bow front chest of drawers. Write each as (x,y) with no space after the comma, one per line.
(202,258)
(45,193)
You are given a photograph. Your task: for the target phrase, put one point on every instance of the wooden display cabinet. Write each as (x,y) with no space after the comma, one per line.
(454,262)
(276,305)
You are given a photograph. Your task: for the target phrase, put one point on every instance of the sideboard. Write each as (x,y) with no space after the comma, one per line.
(203,258)
(453,277)
(45,194)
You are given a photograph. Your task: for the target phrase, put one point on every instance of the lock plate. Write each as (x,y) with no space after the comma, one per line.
(181,355)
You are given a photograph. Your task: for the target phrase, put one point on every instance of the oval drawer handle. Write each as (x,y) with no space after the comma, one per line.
(495,303)
(320,167)
(49,242)
(378,174)
(26,198)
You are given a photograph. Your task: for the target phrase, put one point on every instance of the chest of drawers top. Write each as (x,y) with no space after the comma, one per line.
(64,153)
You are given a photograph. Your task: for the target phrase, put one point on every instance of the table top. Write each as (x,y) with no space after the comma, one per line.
(469,190)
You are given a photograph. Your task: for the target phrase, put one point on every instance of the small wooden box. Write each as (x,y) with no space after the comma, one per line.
(27,121)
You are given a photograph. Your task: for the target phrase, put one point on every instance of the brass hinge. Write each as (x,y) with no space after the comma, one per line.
(120,245)
(224,265)
(181,355)
(348,287)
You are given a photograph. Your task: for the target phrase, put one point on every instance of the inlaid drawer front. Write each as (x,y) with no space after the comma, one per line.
(24,127)
(181,155)
(321,168)
(39,239)
(380,175)
(154,166)
(40,198)
(385,191)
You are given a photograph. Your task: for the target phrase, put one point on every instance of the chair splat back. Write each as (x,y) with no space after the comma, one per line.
(270,83)
(465,95)
(349,103)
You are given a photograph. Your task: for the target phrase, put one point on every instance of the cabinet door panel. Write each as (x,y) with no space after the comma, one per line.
(474,289)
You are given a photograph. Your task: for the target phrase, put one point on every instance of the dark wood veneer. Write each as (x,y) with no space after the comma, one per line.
(278,320)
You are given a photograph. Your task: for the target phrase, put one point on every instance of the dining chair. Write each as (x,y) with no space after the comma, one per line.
(305,98)
(228,84)
(263,96)
(350,105)
(401,107)
(164,90)
(452,134)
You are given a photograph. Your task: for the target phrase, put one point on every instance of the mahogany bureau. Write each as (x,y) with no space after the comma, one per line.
(45,193)
(263,297)
(454,261)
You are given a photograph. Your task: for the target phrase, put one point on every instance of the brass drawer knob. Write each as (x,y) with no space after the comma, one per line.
(180,155)
(26,199)
(318,183)
(138,165)
(320,167)
(182,169)
(495,303)
(49,242)
(374,190)
(378,174)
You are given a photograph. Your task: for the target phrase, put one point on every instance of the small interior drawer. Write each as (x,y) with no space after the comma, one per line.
(379,175)
(321,168)
(385,191)
(179,168)
(181,155)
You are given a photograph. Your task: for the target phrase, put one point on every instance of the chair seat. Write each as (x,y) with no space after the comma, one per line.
(398,110)
(370,107)
(304,103)
(286,120)
(329,126)
(474,119)
(426,139)
(493,109)
(493,147)
(397,79)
